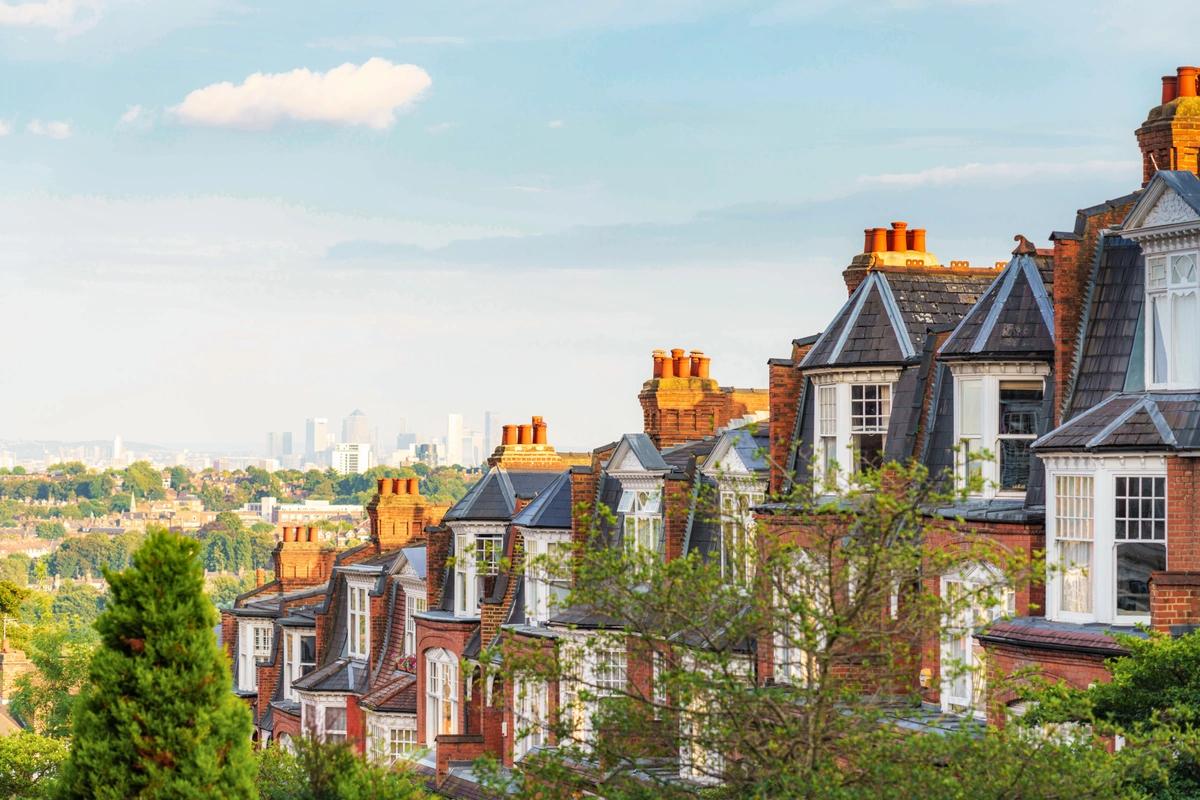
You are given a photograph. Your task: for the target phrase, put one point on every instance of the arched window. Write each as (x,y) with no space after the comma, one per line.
(441,694)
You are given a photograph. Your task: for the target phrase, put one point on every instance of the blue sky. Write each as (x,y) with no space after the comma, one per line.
(462,206)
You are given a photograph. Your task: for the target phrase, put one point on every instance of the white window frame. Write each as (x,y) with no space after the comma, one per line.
(393,738)
(415,602)
(841,382)
(467,574)
(959,633)
(641,512)
(1161,284)
(987,378)
(545,592)
(250,652)
(358,618)
(739,528)
(1104,470)
(441,694)
(531,716)
(294,667)
(314,708)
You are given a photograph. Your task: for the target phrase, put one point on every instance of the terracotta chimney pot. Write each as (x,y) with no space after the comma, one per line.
(704,362)
(1170,88)
(897,240)
(696,357)
(868,238)
(399,486)
(510,434)
(260,576)
(682,367)
(916,240)
(659,356)
(287,533)
(1187,81)
(414,485)
(668,367)
(539,431)
(525,435)
(385,485)
(879,240)
(312,534)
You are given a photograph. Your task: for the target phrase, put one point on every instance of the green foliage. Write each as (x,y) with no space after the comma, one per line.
(158,717)
(224,589)
(12,595)
(77,605)
(44,698)
(50,530)
(144,481)
(331,771)
(15,568)
(29,765)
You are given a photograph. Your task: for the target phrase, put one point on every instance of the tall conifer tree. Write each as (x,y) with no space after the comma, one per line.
(158,718)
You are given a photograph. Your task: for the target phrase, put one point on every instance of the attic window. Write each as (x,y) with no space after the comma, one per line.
(1172,321)
(870,409)
(642,522)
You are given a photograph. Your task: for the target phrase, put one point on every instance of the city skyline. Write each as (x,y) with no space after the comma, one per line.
(534,200)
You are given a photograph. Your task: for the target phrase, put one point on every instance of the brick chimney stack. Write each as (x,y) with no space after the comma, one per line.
(681,402)
(894,248)
(527,447)
(397,512)
(1170,136)
(300,560)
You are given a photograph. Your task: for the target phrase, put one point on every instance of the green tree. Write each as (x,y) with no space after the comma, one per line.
(50,530)
(331,771)
(15,568)
(224,589)
(77,605)
(144,481)
(29,765)
(12,595)
(44,698)
(158,717)
(181,479)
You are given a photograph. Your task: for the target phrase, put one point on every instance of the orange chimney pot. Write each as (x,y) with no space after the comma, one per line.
(539,430)
(1170,88)
(879,240)
(680,359)
(312,534)
(868,238)
(659,356)
(399,486)
(696,357)
(704,362)
(525,435)
(414,485)
(897,240)
(385,485)
(510,434)
(1187,81)
(916,240)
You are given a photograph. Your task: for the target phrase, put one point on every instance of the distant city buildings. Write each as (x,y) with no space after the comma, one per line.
(279,444)
(454,439)
(316,437)
(351,458)
(356,428)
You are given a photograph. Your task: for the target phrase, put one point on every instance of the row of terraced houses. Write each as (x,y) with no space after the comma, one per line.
(1077,365)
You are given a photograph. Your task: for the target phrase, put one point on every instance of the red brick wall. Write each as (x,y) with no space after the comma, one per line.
(229,628)
(1174,599)
(1075,669)
(1183,514)
(452,636)
(785,384)
(356,734)
(437,550)
(677,505)
(1168,142)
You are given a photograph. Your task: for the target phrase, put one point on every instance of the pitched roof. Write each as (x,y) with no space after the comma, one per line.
(1109,358)
(1170,196)
(493,497)
(397,694)
(1153,421)
(1014,317)
(339,675)
(642,448)
(551,508)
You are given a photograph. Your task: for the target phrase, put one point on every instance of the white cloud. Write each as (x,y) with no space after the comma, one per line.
(1009,172)
(5,128)
(59,15)
(368,95)
(555,123)
(53,129)
(136,117)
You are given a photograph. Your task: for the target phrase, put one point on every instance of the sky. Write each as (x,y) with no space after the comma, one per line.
(219,218)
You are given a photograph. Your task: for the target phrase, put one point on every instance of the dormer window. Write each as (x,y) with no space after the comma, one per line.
(998,408)
(359,621)
(299,659)
(853,410)
(642,522)
(254,648)
(478,553)
(1172,321)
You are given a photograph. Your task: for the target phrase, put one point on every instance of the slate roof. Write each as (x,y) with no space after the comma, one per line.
(416,560)
(493,497)
(339,675)
(643,447)
(680,456)
(1154,421)
(1184,183)
(397,695)
(1042,634)
(1110,358)
(1015,317)
(888,316)
(551,508)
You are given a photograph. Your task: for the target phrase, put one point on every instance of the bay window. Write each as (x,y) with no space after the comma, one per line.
(642,521)
(870,409)
(359,620)
(441,694)
(1107,530)
(738,528)
(1141,533)
(335,724)
(254,648)
(609,673)
(1172,321)
(852,412)
(478,556)
(827,430)
(393,738)
(531,716)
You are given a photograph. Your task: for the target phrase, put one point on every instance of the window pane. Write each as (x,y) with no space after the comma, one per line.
(1014,464)
(1185,356)
(869,447)
(1183,269)
(1075,560)
(1135,562)
(1158,342)
(827,410)
(335,719)
(1156,273)
(1020,407)
(970,421)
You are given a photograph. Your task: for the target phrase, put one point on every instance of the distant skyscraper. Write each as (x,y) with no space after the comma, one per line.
(405,440)
(351,457)
(279,444)
(316,430)
(356,429)
(454,439)
(491,433)
(116,448)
